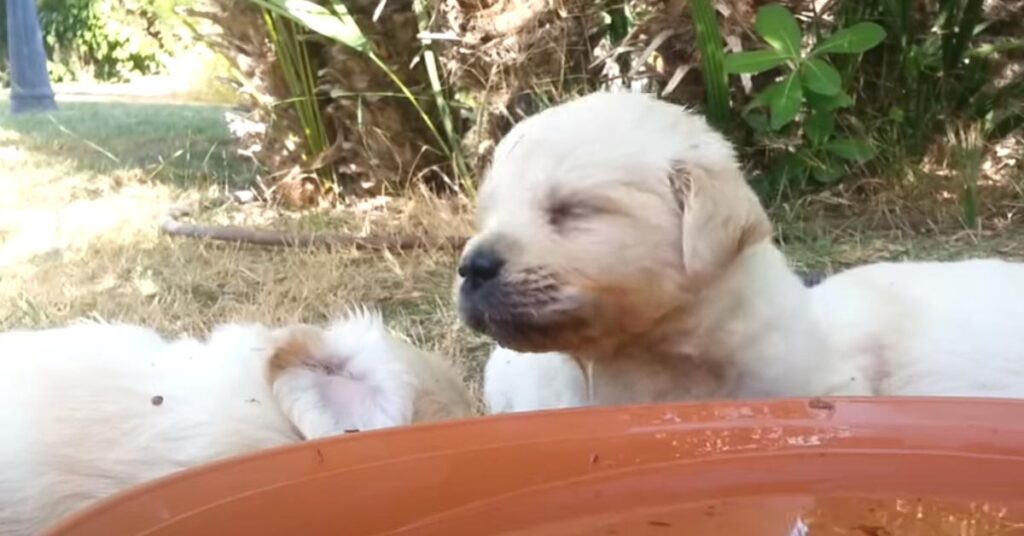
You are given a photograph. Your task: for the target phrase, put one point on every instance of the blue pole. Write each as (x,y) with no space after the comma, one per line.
(30,83)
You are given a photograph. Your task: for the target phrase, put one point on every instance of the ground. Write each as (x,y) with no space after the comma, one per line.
(82,193)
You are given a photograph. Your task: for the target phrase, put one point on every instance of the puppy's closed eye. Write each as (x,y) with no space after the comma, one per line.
(566,212)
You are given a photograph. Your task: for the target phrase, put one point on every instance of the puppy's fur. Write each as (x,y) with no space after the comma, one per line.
(91,409)
(530,382)
(631,246)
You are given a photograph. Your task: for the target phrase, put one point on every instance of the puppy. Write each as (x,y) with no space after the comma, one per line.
(617,233)
(92,409)
(529,382)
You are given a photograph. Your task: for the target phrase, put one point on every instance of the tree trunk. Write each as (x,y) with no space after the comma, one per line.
(382,140)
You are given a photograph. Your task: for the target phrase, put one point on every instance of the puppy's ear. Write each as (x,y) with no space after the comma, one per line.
(325,391)
(721,217)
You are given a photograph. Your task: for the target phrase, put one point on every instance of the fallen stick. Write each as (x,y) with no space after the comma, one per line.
(259,237)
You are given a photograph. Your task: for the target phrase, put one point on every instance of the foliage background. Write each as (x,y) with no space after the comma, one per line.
(115,41)
(420,92)
(355,97)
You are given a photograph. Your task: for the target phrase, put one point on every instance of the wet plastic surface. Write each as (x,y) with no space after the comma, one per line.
(861,467)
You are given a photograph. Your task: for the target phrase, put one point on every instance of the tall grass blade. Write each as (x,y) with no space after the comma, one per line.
(300,76)
(968,145)
(334,22)
(454,142)
(620,23)
(969,19)
(709,40)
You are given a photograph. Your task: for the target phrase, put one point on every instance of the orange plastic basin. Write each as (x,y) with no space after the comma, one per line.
(862,467)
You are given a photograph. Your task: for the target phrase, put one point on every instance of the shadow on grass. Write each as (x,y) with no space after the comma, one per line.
(178,144)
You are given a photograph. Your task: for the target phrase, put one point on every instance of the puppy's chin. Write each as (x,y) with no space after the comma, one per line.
(517,322)
(533,334)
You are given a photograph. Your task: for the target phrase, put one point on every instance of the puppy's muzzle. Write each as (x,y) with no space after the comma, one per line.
(527,309)
(480,267)
(480,294)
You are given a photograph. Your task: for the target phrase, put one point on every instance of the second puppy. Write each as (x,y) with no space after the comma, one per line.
(89,410)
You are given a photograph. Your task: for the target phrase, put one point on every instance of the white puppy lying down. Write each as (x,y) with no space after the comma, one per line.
(91,409)
(618,232)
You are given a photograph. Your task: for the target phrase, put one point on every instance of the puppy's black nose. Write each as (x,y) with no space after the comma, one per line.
(481,266)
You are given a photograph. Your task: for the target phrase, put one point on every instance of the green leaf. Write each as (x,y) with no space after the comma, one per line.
(784,100)
(828,102)
(819,127)
(851,149)
(716,80)
(619,23)
(756,120)
(827,173)
(333,21)
(791,169)
(761,99)
(779,29)
(755,61)
(858,38)
(821,77)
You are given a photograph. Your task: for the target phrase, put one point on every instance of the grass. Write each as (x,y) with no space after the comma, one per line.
(82,193)
(78,234)
(172,143)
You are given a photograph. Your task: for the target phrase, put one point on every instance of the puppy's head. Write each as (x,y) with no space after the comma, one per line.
(355,375)
(597,218)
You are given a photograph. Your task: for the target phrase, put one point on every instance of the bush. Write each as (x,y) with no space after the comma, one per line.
(900,78)
(107,40)
(938,68)
(865,88)
(798,112)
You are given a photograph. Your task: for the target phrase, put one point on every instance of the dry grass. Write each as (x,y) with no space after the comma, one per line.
(78,238)
(79,208)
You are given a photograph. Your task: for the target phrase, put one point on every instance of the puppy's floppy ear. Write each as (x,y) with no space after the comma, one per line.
(326,392)
(721,217)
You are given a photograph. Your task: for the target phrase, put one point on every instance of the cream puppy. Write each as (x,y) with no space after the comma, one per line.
(529,382)
(618,231)
(92,409)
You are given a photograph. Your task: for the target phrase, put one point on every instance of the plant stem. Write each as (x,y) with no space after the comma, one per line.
(709,39)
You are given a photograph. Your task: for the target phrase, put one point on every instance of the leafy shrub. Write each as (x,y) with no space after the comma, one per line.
(946,70)
(806,100)
(938,69)
(875,86)
(845,88)
(106,39)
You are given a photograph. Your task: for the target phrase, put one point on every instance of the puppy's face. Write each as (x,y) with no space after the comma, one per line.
(598,218)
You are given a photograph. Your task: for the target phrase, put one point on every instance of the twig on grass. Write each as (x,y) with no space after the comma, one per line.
(262,237)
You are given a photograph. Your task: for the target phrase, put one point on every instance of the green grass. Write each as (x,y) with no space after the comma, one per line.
(180,144)
(830,252)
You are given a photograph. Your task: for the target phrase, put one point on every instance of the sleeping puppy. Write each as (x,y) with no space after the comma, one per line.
(92,409)
(515,382)
(618,237)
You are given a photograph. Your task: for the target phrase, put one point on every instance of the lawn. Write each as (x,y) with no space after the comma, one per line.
(82,193)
